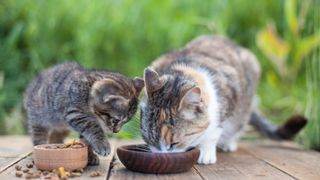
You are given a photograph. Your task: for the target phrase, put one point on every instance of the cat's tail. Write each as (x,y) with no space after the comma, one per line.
(284,132)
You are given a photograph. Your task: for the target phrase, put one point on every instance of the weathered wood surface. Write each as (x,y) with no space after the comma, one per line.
(253,160)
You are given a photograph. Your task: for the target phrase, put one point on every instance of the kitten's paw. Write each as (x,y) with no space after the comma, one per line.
(102,148)
(93,160)
(207,157)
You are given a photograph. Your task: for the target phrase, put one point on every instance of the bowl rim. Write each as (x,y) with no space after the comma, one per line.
(40,147)
(189,151)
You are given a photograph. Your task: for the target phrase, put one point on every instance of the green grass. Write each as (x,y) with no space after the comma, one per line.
(311,135)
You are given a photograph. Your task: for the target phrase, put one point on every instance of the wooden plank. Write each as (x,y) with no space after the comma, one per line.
(288,157)
(4,161)
(254,160)
(239,165)
(14,161)
(118,171)
(14,146)
(10,172)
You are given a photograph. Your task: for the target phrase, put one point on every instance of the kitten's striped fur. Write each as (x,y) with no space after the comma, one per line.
(201,95)
(67,96)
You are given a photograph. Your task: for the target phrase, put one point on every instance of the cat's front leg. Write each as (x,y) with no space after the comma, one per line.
(89,127)
(208,147)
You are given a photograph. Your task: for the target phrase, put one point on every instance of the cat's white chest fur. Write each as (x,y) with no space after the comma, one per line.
(208,140)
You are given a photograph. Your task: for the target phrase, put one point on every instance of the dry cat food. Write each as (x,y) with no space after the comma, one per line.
(56,174)
(18,173)
(95,174)
(28,171)
(72,144)
(29,165)
(18,167)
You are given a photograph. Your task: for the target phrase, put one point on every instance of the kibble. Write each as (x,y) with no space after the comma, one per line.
(29,165)
(18,167)
(55,174)
(62,173)
(19,174)
(95,174)
(75,174)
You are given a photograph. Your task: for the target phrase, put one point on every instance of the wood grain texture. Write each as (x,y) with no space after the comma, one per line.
(254,160)
(14,146)
(12,149)
(119,172)
(240,165)
(287,157)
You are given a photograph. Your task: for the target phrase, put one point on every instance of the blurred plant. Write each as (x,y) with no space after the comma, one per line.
(311,135)
(288,52)
(2,122)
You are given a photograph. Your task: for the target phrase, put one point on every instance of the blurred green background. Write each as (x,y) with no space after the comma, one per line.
(126,35)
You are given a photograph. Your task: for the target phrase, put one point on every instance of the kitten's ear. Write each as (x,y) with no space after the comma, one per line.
(138,84)
(119,100)
(191,98)
(152,80)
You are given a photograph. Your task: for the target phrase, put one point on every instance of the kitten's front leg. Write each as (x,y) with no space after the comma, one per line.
(93,159)
(90,129)
(208,147)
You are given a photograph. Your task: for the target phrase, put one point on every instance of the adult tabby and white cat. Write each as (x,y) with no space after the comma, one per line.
(202,95)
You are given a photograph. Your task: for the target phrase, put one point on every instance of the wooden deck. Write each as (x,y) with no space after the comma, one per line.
(254,160)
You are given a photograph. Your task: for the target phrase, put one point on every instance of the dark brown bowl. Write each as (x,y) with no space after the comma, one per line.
(139,158)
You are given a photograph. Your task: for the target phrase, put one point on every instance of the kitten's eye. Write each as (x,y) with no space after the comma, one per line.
(105,114)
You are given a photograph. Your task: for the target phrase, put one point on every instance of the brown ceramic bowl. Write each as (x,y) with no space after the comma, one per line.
(140,158)
(46,157)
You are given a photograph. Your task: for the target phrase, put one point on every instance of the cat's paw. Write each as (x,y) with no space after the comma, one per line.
(231,147)
(93,160)
(102,148)
(207,157)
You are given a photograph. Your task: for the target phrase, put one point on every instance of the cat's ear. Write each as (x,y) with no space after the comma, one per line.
(115,99)
(152,80)
(191,97)
(138,84)
(191,104)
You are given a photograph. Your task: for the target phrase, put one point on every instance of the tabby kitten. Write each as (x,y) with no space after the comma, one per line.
(67,96)
(202,96)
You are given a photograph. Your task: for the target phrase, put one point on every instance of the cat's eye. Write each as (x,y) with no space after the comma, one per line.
(173,144)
